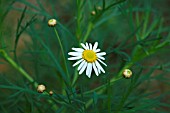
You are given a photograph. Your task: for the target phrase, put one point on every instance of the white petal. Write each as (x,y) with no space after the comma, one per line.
(95,46)
(98,70)
(78,62)
(102,62)
(78,49)
(99,66)
(95,69)
(89,69)
(75,58)
(97,50)
(101,54)
(75,53)
(83,68)
(81,65)
(83,46)
(100,57)
(91,48)
(87,45)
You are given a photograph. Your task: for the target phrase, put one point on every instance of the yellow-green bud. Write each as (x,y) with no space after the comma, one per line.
(99,8)
(93,13)
(52,22)
(127,73)
(51,93)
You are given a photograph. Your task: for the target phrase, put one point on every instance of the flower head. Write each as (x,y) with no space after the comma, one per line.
(41,88)
(99,8)
(93,13)
(127,73)
(51,93)
(52,22)
(89,57)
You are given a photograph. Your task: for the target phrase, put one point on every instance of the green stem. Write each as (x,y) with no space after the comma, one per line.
(23,72)
(62,50)
(112,80)
(17,67)
(123,100)
(102,88)
(79,19)
(89,29)
(75,77)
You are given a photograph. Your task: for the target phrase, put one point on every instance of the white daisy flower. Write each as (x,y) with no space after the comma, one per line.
(89,58)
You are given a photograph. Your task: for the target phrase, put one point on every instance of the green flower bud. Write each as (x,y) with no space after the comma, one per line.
(52,22)
(127,73)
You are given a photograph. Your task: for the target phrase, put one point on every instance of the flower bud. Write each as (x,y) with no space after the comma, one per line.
(51,93)
(99,8)
(127,73)
(41,88)
(52,22)
(93,13)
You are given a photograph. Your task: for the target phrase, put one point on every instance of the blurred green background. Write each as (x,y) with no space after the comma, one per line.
(132,31)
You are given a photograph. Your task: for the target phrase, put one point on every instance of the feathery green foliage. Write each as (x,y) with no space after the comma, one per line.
(135,35)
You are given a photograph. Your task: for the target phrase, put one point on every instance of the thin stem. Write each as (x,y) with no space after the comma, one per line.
(79,19)
(102,88)
(56,62)
(75,77)
(112,80)
(91,100)
(89,29)
(62,50)
(123,100)
(17,67)
(23,72)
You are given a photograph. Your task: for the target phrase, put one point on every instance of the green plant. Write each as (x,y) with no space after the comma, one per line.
(132,33)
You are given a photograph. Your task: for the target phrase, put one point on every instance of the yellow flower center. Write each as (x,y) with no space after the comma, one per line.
(89,56)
